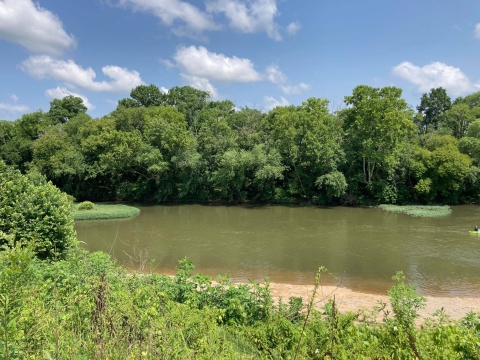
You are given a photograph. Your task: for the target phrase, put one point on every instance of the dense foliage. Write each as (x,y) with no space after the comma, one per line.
(34,212)
(182,146)
(85,307)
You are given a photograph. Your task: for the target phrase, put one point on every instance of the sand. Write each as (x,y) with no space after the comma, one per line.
(348,300)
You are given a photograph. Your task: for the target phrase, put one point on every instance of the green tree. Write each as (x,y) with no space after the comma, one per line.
(458,117)
(378,124)
(63,110)
(309,139)
(433,107)
(439,169)
(143,95)
(36,212)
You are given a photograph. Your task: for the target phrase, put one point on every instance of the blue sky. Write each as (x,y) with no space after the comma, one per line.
(257,53)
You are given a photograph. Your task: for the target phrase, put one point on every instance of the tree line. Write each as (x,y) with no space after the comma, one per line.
(184,146)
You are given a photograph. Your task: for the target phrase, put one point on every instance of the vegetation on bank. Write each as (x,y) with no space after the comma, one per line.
(58,301)
(102,211)
(183,146)
(85,307)
(419,210)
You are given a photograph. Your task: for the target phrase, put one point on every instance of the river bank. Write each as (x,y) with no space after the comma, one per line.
(349,300)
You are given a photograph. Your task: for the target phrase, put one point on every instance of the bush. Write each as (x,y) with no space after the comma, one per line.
(86,205)
(34,211)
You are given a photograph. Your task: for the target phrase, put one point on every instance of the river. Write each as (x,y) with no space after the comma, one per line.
(361,247)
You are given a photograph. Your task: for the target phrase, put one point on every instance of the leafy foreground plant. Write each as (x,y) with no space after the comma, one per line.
(98,212)
(86,307)
(419,210)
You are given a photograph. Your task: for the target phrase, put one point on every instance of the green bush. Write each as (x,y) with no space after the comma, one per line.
(86,205)
(34,211)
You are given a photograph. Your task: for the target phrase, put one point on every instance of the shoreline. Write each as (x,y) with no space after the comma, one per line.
(350,300)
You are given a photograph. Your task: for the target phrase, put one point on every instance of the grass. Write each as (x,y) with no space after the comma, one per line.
(99,212)
(419,210)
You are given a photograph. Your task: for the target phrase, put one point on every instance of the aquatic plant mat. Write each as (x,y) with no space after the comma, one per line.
(116,211)
(419,210)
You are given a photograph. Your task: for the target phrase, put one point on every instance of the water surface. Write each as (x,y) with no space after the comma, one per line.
(361,247)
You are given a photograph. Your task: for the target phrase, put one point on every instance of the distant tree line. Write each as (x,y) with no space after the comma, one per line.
(183,146)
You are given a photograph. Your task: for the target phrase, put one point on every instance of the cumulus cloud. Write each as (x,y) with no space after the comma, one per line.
(276,76)
(293,28)
(61,92)
(434,75)
(477,31)
(12,109)
(26,23)
(248,16)
(271,103)
(295,89)
(200,83)
(44,67)
(14,97)
(193,21)
(199,62)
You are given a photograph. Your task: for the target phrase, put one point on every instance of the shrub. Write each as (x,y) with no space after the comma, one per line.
(34,211)
(86,205)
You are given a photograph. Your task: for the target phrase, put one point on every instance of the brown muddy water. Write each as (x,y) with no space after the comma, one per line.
(361,247)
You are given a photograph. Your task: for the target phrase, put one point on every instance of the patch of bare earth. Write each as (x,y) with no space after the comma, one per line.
(348,300)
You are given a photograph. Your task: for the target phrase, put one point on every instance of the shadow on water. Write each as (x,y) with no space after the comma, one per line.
(362,247)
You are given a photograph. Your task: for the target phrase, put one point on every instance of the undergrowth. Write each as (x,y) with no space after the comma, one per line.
(419,210)
(98,212)
(86,307)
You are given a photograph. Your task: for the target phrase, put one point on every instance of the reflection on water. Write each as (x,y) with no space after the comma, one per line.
(361,247)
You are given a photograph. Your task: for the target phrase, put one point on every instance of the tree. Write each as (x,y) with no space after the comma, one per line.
(433,107)
(439,169)
(309,139)
(377,125)
(63,110)
(36,212)
(187,100)
(143,95)
(458,118)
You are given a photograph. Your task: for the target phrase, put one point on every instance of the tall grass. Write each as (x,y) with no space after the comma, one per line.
(419,210)
(86,307)
(116,211)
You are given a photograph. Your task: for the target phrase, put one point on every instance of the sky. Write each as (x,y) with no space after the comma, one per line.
(257,53)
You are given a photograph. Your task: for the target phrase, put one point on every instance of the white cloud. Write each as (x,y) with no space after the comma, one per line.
(199,62)
(44,67)
(434,75)
(275,75)
(248,16)
(271,103)
(293,28)
(295,89)
(200,83)
(60,93)
(13,97)
(37,29)
(477,31)
(168,64)
(10,108)
(170,11)
(164,90)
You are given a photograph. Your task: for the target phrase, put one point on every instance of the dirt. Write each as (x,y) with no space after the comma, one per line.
(348,300)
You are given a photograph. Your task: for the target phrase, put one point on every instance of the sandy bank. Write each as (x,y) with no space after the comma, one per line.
(348,300)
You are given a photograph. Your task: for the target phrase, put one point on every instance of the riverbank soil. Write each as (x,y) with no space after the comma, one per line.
(348,300)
